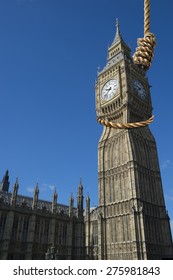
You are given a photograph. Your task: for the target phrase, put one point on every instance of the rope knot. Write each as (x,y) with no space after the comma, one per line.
(145,51)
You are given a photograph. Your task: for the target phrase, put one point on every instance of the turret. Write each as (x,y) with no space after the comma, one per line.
(80,198)
(71,205)
(80,230)
(54,201)
(87,205)
(14,192)
(35,198)
(4,185)
(87,227)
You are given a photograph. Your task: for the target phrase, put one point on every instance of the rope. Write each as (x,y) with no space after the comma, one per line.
(146,17)
(125,125)
(145,51)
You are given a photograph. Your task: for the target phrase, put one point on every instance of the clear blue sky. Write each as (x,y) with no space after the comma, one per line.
(49,54)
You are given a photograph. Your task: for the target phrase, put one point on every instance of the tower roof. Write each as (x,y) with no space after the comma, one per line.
(80,183)
(4,185)
(36,191)
(118,36)
(16,184)
(55,193)
(116,54)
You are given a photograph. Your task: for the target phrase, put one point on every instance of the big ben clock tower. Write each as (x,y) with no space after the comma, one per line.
(133,221)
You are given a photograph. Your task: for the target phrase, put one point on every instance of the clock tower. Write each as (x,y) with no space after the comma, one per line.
(133,221)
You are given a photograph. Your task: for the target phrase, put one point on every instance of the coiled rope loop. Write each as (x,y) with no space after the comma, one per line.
(145,51)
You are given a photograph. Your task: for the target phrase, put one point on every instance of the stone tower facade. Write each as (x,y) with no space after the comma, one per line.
(132,219)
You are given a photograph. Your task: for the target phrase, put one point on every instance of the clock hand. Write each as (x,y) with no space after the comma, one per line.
(108,89)
(138,88)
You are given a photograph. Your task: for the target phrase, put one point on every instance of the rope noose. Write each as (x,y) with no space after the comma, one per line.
(145,51)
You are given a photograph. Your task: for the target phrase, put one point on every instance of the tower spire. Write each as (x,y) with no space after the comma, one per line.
(54,201)
(80,198)
(117,24)
(35,198)
(4,185)
(117,49)
(118,36)
(71,205)
(14,192)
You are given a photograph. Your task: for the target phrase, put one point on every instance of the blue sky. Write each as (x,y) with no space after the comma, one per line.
(49,54)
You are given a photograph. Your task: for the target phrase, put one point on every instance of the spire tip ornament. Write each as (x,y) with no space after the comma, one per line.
(117,24)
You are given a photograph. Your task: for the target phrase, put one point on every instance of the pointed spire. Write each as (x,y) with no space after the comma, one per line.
(80,199)
(118,48)
(16,186)
(71,205)
(36,188)
(6,177)
(80,182)
(87,211)
(80,187)
(118,36)
(80,190)
(88,203)
(14,192)
(35,198)
(117,25)
(4,185)
(55,195)
(54,201)
(71,200)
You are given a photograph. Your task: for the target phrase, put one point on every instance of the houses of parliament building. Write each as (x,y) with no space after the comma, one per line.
(130,221)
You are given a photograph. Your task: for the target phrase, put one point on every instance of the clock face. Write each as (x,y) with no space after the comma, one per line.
(139,89)
(109,90)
